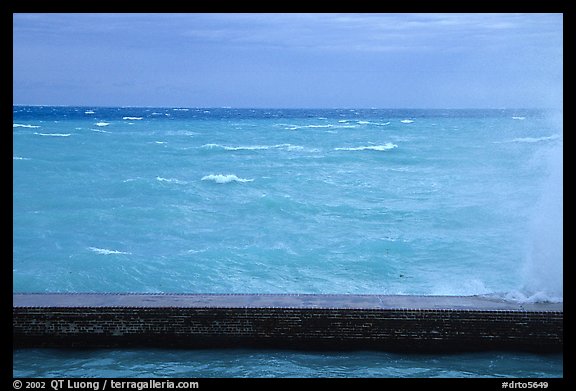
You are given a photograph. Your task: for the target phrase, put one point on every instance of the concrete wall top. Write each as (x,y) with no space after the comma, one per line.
(329,301)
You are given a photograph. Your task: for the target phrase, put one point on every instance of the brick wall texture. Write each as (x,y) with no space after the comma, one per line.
(291,328)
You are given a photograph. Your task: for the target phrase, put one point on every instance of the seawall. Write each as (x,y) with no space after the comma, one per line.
(291,321)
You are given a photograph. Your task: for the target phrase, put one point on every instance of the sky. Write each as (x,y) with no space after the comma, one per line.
(289,60)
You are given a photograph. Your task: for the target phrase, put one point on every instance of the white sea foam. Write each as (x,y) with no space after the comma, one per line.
(88,112)
(384,147)
(105,251)
(378,123)
(220,178)
(102,123)
(180,109)
(53,134)
(100,131)
(132,118)
(288,147)
(406,121)
(170,180)
(25,126)
(519,118)
(310,126)
(20,158)
(238,148)
(534,139)
(525,297)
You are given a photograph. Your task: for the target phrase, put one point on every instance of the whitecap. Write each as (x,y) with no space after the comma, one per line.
(20,158)
(100,131)
(180,109)
(406,121)
(363,122)
(105,251)
(384,147)
(102,123)
(169,180)
(25,126)
(532,139)
(288,147)
(53,134)
(220,178)
(519,118)
(132,118)
(318,126)
(89,112)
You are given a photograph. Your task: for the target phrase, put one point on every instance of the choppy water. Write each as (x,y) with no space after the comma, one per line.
(286,201)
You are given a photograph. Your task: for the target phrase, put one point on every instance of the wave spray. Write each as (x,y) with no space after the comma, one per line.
(543,268)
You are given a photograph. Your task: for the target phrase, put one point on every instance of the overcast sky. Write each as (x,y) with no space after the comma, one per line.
(289,60)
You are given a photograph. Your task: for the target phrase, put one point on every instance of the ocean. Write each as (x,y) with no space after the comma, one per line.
(223,200)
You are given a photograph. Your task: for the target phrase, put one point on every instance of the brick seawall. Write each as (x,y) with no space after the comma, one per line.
(335,322)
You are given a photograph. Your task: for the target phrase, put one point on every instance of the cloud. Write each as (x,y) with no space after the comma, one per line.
(372,58)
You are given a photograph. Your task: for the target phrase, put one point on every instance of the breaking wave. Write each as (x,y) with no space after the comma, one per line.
(385,147)
(220,178)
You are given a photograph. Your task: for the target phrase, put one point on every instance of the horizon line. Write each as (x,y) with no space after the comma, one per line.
(286,108)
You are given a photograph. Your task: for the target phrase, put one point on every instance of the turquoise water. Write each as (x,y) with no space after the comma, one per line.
(286,201)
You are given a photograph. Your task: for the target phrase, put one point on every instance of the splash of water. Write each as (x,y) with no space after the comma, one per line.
(543,269)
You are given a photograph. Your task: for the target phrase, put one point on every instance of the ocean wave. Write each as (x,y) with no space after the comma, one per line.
(220,178)
(527,297)
(170,180)
(20,158)
(288,147)
(25,126)
(102,123)
(238,148)
(519,118)
(89,112)
(532,139)
(377,123)
(100,131)
(53,134)
(132,118)
(406,121)
(384,147)
(105,251)
(311,126)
